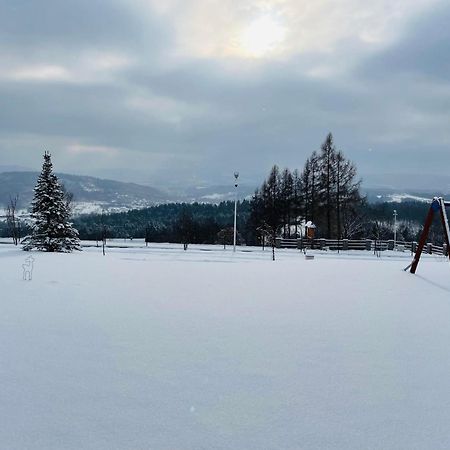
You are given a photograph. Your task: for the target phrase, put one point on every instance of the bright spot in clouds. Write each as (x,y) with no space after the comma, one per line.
(262,36)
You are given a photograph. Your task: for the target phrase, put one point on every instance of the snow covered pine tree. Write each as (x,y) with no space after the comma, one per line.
(51,231)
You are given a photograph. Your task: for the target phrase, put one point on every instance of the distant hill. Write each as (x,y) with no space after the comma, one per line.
(213,193)
(94,195)
(386,195)
(430,184)
(90,194)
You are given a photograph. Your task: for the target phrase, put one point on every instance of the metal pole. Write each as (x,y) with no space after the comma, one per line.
(236,176)
(395,229)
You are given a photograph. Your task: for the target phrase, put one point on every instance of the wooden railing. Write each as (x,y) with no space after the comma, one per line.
(358,244)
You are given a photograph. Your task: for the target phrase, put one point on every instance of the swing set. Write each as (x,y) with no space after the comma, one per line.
(437,205)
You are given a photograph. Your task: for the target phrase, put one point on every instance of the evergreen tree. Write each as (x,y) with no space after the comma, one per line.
(52,231)
(309,187)
(287,199)
(348,197)
(296,199)
(328,180)
(330,192)
(268,208)
(256,217)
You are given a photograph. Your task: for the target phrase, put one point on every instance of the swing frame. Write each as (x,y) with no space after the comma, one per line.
(437,205)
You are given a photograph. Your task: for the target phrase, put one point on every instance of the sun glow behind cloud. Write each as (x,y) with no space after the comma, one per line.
(265,29)
(261,37)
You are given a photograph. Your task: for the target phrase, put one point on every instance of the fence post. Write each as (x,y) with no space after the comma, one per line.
(390,245)
(444,250)
(344,244)
(299,243)
(368,244)
(278,242)
(430,248)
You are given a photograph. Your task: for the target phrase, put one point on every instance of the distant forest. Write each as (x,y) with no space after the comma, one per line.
(160,223)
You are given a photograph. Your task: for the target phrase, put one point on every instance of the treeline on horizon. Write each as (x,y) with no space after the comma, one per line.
(208,218)
(159,223)
(325,193)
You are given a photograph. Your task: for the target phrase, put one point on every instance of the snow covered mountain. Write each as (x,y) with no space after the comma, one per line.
(94,195)
(382,195)
(89,194)
(205,193)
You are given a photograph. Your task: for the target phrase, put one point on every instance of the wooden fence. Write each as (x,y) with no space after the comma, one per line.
(360,244)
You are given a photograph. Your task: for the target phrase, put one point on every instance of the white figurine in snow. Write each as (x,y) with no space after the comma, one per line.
(28,269)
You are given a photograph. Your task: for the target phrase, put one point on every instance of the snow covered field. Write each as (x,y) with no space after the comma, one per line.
(168,350)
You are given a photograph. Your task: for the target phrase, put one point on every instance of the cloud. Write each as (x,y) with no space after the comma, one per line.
(422,50)
(39,73)
(163,91)
(68,25)
(90,67)
(77,149)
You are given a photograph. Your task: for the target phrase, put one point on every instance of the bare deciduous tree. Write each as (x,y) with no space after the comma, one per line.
(12,220)
(185,226)
(225,236)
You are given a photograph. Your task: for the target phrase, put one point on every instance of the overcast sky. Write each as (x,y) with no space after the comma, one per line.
(174,91)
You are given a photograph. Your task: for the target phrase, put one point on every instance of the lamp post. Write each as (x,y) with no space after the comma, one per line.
(236,176)
(395,229)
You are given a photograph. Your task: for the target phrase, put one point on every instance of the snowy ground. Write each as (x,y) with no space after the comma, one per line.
(168,350)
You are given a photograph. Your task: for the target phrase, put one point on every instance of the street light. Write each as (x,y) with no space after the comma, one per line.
(236,176)
(395,229)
